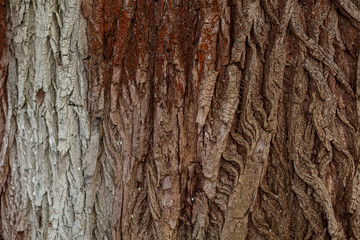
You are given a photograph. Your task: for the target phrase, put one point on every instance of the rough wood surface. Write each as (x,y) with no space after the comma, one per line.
(179,119)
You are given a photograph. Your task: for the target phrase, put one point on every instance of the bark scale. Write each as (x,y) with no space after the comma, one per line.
(175,119)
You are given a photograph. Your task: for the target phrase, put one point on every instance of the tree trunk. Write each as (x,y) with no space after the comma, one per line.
(173,119)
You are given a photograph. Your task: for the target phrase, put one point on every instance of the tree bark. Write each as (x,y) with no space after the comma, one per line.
(170,119)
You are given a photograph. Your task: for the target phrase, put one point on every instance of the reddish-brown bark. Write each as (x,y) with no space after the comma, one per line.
(165,79)
(204,119)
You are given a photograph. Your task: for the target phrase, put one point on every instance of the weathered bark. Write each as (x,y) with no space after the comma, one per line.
(47,90)
(175,119)
(4,126)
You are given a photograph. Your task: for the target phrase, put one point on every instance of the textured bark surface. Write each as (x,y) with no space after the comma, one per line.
(4,126)
(49,125)
(173,119)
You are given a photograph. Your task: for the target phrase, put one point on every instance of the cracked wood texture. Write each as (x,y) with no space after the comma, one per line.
(179,119)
